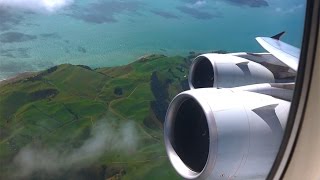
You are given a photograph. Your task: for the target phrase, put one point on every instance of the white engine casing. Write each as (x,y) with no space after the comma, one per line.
(239,131)
(226,71)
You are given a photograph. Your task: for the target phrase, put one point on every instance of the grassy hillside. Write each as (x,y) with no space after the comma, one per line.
(73,122)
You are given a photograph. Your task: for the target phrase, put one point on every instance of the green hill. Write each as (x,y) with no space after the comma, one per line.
(74,122)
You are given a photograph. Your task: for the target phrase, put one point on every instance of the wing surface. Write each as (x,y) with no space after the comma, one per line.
(286,53)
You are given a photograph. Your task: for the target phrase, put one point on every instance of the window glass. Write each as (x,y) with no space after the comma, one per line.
(85,86)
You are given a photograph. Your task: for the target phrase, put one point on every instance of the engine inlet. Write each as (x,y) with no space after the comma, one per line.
(190,134)
(202,73)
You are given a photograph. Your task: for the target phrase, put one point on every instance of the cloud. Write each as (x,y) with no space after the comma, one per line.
(290,10)
(105,11)
(37,5)
(198,14)
(104,138)
(200,9)
(197,4)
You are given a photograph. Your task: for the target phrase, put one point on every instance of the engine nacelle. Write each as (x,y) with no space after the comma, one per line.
(225,71)
(224,133)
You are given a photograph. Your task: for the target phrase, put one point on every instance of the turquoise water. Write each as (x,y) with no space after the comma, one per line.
(111,33)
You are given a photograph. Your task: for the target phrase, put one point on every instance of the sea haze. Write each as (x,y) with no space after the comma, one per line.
(100,33)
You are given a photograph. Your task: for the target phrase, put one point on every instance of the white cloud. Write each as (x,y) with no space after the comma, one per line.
(104,138)
(290,10)
(200,3)
(37,5)
(197,4)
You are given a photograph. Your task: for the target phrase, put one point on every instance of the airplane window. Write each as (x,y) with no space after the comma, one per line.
(144,89)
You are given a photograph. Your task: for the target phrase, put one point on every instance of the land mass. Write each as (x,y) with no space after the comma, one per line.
(58,109)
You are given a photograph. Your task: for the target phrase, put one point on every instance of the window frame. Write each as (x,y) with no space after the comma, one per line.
(301,93)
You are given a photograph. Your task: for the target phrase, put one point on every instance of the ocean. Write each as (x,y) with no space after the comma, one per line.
(101,33)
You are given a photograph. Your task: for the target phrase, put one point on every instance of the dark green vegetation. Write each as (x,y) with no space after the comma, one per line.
(48,119)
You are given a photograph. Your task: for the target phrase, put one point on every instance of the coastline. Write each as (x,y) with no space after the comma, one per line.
(28,74)
(15,78)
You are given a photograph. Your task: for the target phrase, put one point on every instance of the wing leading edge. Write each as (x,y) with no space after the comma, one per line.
(284,52)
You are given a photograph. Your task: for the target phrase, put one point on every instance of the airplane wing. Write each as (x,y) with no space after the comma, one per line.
(242,99)
(284,52)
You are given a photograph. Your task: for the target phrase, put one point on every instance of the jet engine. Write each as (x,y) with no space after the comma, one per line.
(226,70)
(207,137)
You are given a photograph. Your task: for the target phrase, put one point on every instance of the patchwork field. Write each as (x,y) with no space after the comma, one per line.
(74,122)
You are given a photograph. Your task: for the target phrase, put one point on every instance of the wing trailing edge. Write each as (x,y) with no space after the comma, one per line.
(286,53)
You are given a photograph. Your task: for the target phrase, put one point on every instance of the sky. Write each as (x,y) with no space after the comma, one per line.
(37,5)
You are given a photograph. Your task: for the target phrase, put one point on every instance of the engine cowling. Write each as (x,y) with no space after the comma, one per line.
(225,71)
(207,137)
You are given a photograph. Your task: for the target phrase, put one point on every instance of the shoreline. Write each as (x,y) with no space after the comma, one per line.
(17,77)
(24,75)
